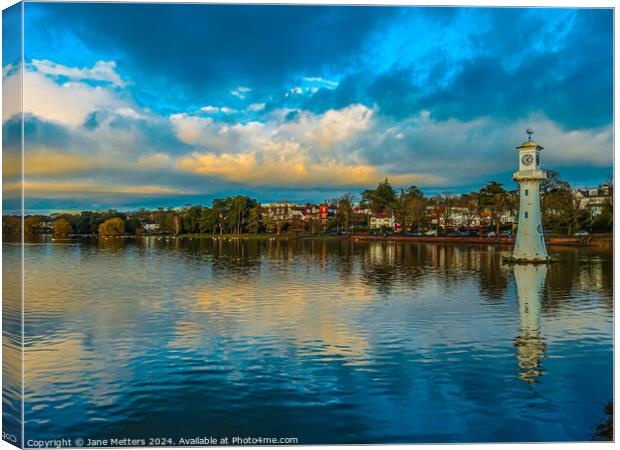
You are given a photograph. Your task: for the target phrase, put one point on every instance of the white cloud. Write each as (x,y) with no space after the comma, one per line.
(217,110)
(322,81)
(190,129)
(240,91)
(210,109)
(68,103)
(129,112)
(101,71)
(297,90)
(256,107)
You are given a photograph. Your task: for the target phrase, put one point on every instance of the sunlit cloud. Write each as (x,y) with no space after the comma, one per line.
(286,165)
(88,189)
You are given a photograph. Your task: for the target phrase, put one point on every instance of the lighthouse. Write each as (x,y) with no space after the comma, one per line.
(530,243)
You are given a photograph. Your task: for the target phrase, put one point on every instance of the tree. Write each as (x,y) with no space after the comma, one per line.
(269,222)
(562,208)
(344,210)
(411,207)
(471,203)
(62,228)
(11,225)
(254,219)
(494,198)
(191,219)
(446,203)
(170,222)
(31,224)
(239,208)
(552,191)
(83,224)
(220,212)
(132,226)
(112,227)
(208,221)
(382,199)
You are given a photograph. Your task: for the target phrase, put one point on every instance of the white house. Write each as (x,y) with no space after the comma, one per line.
(593,199)
(378,220)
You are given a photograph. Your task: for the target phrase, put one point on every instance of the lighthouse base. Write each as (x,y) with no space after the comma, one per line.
(517,260)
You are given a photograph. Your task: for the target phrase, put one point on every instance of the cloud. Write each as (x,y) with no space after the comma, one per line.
(49,162)
(256,106)
(217,110)
(129,112)
(313,150)
(7,69)
(474,151)
(287,166)
(442,108)
(68,103)
(321,81)
(101,71)
(315,132)
(89,189)
(240,91)
(210,109)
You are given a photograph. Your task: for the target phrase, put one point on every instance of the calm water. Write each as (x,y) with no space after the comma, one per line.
(325,341)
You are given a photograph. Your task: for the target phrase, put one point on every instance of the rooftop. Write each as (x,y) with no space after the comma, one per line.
(530,144)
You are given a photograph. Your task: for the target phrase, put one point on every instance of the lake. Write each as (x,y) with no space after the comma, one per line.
(325,341)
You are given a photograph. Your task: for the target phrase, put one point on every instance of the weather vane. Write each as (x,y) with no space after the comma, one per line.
(529,132)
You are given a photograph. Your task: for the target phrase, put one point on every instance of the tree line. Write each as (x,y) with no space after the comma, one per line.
(410,207)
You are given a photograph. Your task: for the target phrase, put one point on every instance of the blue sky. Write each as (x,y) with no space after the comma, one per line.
(142,105)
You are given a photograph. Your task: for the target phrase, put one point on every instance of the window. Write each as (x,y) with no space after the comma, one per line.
(526,191)
(525,214)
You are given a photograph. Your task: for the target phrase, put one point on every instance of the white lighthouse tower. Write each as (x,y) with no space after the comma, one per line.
(530,243)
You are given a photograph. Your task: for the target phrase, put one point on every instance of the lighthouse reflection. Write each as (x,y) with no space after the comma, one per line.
(531,347)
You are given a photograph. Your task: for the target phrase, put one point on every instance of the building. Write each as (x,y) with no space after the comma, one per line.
(530,242)
(593,199)
(324,213)
(311,212)
(378,220)
(276,211)
(150,226)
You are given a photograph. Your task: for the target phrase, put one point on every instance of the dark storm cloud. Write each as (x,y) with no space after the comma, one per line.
(203,47)
(571,84)
(518,71)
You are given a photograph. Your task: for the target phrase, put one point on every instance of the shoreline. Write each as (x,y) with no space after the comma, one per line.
(592,240)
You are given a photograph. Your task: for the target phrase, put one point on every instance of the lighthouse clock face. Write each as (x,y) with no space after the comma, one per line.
(527,160)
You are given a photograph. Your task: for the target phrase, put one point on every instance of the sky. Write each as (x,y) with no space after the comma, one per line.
(130,105)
